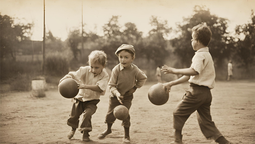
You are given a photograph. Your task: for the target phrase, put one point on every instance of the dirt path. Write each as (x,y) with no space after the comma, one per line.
(26,119)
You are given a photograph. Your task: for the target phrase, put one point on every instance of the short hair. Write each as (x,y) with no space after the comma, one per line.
(202,33)
(98,56)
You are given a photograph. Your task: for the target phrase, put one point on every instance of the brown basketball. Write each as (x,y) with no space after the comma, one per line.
(68,88)
(120,112)
(157,94)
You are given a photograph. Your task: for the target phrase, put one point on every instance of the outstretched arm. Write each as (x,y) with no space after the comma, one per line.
(186,71)
(182,79)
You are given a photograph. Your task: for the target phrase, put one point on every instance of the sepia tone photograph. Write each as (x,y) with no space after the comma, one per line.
(127,71)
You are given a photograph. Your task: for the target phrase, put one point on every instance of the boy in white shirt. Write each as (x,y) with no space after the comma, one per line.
(201,76)
(92,81)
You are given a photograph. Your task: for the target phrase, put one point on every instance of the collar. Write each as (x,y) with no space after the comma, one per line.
(121,67)
(204,49)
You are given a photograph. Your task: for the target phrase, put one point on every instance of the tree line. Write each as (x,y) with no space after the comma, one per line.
(155,47)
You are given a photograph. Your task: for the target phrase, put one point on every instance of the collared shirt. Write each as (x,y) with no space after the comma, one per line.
(85,76)
(202,63)
(123,79)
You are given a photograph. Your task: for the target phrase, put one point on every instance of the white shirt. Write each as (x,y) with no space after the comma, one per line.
(230,68)
(85,76)
(202,63)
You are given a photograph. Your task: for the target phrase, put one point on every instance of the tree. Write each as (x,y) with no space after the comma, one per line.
(74,38)
(112,35)
(245,53)
(112,29)
(155,43)
(131,34)
(220,45)
(53,44)
(11,35)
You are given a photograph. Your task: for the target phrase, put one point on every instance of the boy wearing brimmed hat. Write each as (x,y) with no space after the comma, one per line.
(126,77)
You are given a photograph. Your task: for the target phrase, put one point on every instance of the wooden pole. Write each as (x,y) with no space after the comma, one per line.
(43,48)
(81,29)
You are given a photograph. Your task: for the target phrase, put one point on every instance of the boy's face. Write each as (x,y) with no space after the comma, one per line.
(96,68)
(194,42)
(125,58)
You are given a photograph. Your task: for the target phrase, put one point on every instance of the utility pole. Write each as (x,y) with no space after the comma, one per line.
(43,48)
(81,29)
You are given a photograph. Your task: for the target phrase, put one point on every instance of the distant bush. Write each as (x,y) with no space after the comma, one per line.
(20,83)
(56,64)
(11,69)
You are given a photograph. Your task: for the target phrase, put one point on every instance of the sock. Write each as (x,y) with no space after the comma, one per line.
(126,130)
(109,126)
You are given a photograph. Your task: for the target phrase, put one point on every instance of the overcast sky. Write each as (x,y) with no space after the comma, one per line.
(64,15)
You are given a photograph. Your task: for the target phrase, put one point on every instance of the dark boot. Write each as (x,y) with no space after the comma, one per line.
(177,137)
(222,140)
(71,133)
(85,136)
(106,132)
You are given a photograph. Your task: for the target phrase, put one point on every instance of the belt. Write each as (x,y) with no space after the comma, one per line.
(195,85)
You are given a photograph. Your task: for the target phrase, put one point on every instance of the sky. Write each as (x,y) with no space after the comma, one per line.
(62,16)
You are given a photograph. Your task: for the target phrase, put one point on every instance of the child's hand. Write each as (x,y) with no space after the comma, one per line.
(82,86)
(167,86)
(166,69)
(120,98)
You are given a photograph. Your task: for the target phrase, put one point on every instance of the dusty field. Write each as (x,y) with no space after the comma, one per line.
(26,119)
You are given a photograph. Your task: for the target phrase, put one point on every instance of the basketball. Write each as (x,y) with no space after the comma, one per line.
(68,88)
(120,112)
(157,94)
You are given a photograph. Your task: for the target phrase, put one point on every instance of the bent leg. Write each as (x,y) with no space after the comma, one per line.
(76,111)
(186,107)
(89,109)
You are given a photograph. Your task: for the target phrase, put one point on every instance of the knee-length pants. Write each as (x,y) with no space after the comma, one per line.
(197,98)
(88,108)
(113,102)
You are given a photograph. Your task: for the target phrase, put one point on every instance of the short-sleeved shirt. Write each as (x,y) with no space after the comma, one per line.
(85,76)
(123,79)
(230,69)
(202,63)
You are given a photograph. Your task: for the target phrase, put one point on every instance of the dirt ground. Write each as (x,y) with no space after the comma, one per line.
(27,119)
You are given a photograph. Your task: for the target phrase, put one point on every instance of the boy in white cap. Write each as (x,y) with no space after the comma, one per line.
(126,77)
